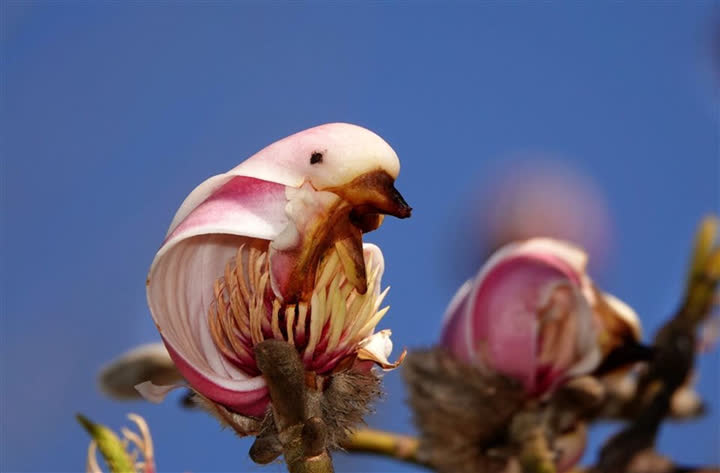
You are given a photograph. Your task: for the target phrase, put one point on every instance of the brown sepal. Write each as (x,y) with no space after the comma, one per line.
(461,413)
(242,425)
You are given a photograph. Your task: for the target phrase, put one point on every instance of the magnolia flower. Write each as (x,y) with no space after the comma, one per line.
(273,250)
(533,314)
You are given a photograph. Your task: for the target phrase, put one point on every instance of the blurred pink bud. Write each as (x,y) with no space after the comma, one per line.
(532,314)
(544,197)
(273,249)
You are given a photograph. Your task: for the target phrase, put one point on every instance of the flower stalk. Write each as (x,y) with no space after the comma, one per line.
(302,436)
(401,447)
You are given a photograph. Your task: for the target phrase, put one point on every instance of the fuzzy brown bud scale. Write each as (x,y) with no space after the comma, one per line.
(471,421)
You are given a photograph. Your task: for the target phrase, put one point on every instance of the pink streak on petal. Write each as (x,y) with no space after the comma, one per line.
(252,402)
(241,206)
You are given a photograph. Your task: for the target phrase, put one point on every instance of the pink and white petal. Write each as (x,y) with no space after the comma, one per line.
(588,354)
(568,258)
(454,335)
(236,205)
(504,315)
(562,250)
(180,291)
(249,396)
(577,351)
(287,161)
(377,348)
(278,162)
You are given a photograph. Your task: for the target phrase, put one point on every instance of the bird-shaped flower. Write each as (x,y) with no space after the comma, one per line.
(273,249)
(532,313)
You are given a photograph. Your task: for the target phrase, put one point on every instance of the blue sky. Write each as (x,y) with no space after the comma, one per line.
(113,112)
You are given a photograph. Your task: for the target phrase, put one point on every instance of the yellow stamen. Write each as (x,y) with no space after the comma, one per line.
(239,317)
(290,320)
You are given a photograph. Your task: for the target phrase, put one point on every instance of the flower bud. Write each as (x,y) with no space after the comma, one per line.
(533,314)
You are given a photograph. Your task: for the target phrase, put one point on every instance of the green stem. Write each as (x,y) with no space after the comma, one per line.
(110,446)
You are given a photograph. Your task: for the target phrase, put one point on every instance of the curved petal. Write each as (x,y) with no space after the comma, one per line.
(180,291)
(155,392)
(230,204)
(249,396)
(180,283)
(454,332)
(563,254)
(353,149)
(285,162)
(376,264)
(377,348)
(504,315)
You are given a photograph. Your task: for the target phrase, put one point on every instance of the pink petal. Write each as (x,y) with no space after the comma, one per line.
(249,397)
(287,161)
(180,283)
(236,205)
(455,331)
(493,320)
(504,324)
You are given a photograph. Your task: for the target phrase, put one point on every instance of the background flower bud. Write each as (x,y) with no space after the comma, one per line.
(530,314)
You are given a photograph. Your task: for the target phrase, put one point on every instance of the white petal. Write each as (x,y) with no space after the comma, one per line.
(625,312)
(377,348)
(348,151)
(155,393)
(149,362)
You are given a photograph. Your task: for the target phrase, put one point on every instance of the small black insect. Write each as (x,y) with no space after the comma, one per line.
(316,158)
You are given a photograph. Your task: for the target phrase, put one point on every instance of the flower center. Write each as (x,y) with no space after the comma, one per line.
(324,330)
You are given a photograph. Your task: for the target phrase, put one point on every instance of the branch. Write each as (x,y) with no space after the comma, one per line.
(400,447)
(675,346)
(301,437)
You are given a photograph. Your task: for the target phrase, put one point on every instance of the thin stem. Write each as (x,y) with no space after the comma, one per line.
(400,447)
